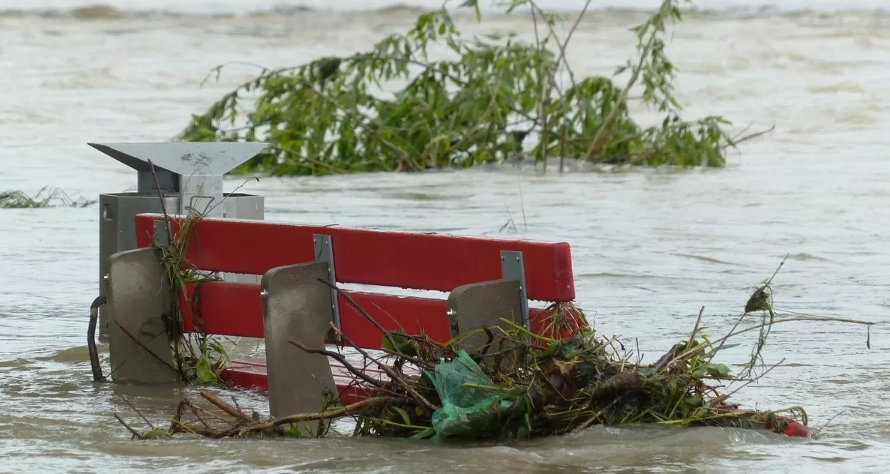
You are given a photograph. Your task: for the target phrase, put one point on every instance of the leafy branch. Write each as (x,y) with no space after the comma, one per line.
(491,99)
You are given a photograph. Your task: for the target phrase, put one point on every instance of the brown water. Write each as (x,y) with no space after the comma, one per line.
(649,247)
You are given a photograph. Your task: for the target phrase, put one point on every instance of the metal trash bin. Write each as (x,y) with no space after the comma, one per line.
(190,176)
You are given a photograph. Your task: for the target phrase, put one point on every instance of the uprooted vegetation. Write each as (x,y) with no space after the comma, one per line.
(489,100)
(520,385)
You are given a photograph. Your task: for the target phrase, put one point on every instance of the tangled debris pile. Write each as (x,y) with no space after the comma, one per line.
(520,385)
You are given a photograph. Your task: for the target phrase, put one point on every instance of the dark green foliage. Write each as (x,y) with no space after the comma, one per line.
(491,100)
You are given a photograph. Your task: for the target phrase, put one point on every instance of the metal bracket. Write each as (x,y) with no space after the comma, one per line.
(160,236)
(324,252)
(513,268)
(193,205)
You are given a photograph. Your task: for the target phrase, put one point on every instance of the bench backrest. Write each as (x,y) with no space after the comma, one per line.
(420,261)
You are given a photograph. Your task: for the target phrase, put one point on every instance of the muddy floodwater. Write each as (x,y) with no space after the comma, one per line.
(649,247)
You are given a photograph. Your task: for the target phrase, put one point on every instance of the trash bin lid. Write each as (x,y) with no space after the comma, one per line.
(183,158)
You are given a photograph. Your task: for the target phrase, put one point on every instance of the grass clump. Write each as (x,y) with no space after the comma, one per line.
(491,99)
(198,357)
(47,197)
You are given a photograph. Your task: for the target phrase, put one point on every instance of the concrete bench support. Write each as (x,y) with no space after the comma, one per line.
(480,305)
(296,306)
(138,298)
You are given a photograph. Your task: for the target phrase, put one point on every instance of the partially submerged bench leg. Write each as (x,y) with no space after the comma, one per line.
(296,306)
(138,297)
(480,305)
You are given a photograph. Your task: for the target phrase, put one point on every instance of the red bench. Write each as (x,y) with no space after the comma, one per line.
(421,261)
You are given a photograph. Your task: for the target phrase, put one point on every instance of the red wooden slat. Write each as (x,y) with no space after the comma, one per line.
(235,309)
(400,259)
(411,314)
(229,309)
(251,374)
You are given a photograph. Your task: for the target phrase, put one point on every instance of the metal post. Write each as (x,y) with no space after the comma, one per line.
(483,304)
(324,252)
(513,268)
(296,307)
(138,300)
(479,305)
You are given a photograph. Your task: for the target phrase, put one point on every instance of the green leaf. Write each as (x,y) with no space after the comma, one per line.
(403,344)
(403,413)
(204,371)
(648,372)
(216,346)
(157,433)
(718,370)
(424,434)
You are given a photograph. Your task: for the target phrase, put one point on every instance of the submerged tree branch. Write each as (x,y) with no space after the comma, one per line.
(330,116)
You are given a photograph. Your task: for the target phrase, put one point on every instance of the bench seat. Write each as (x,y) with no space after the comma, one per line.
(251,373)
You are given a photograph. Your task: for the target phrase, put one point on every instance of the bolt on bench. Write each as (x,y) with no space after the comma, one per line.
(486,280)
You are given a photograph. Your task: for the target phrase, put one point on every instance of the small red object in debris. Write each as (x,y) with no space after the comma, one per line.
(794,428)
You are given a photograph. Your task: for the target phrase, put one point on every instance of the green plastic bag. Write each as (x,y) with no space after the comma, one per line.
(465,409)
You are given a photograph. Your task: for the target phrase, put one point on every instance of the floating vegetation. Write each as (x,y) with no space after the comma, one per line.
(520,385)
(491,99)
(47,197)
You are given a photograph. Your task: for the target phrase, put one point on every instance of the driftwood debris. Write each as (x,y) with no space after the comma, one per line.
(521,385)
